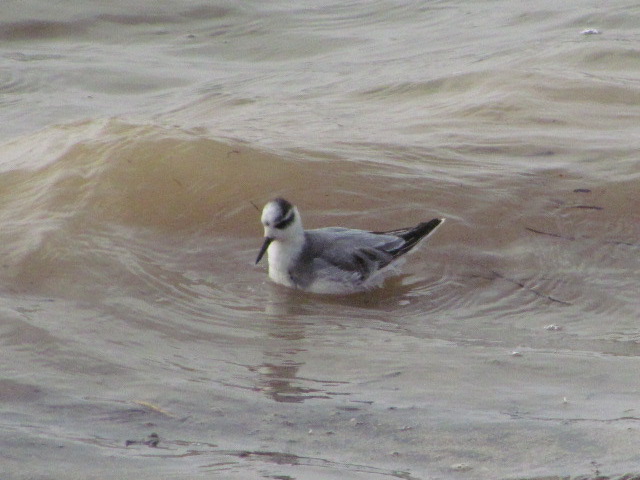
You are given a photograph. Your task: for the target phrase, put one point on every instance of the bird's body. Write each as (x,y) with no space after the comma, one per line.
(332,260)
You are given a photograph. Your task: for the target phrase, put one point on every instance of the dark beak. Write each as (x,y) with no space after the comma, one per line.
(265,245)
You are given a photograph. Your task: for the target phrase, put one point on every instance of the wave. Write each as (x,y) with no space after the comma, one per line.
(69,186)
(85,203)
(128,211)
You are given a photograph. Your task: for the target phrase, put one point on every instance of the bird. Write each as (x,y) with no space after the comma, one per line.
(332,260)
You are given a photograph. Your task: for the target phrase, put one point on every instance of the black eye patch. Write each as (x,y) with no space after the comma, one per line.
(285,222)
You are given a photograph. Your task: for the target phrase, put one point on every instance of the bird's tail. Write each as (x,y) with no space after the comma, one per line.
(413,235)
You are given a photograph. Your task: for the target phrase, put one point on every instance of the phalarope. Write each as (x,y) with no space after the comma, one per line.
(332,260)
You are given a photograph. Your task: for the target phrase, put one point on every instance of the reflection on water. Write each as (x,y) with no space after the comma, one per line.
(278,375)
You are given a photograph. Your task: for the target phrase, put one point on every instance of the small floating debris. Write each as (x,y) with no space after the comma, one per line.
(553,327)
(515,353)
(151,441)
(590,31)
(582,190)
(461,467)
(587,207)
(153,407)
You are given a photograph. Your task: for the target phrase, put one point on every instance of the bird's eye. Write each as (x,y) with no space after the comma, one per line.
(284,223)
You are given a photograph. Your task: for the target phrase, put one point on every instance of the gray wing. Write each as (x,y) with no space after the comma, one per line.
(355,253)
(344,255)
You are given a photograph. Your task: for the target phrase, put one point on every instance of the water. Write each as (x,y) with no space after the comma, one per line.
(137,141)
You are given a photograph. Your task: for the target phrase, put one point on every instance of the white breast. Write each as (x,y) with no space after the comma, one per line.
(280,259)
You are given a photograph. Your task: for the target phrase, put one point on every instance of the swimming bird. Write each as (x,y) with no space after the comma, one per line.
(332,260)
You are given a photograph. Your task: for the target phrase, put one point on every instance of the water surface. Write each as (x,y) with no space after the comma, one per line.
(137,141)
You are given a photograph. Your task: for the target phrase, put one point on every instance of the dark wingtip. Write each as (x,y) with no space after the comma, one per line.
(426,228)
(412,236)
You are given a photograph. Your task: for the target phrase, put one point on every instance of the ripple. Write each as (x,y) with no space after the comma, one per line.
(41,29)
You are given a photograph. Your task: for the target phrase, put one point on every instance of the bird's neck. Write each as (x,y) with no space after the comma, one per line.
(282,253)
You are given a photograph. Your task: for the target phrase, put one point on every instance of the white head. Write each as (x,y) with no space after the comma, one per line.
(281,222)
